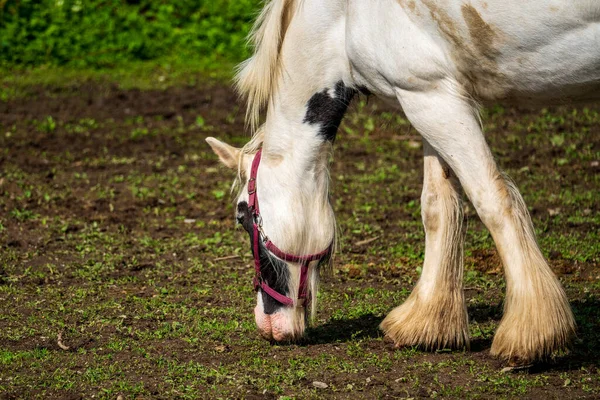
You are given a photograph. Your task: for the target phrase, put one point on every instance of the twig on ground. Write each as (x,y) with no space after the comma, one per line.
(60,342)
(227,258)
(515,368)
(366,241)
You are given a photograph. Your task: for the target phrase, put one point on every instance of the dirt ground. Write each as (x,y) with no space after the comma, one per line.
(122,272)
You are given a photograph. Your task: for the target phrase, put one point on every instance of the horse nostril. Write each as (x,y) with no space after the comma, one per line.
(282,328)
(263,322)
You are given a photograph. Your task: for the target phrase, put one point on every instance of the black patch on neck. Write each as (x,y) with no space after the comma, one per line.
(270,267)
(328,111)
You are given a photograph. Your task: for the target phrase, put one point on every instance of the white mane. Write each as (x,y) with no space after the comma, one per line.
(257,76)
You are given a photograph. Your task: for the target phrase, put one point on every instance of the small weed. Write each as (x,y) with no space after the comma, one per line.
(557,140)
(219,194)
(48,125)
(23,215)
(139,133)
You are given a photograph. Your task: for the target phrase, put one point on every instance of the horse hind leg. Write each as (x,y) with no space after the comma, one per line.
(434,316)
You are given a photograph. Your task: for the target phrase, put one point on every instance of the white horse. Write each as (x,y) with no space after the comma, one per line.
(436,60)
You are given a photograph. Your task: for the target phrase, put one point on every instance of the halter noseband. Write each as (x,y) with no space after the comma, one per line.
(258,233)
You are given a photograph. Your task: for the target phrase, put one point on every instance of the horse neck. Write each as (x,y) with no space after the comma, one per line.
(312,89)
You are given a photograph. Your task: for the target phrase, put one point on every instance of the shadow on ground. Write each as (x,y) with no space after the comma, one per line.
(367,326)
(343,330)
(586,349)
(584,354)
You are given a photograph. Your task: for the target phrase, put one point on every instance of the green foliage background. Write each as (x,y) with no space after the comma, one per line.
(108,33)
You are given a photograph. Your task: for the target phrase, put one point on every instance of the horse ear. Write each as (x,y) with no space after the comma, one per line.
(228,155)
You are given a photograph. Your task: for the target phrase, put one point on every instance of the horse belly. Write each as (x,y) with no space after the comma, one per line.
(552,60)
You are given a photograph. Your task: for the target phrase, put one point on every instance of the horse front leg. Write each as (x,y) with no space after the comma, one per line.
(537,321)
(435,316)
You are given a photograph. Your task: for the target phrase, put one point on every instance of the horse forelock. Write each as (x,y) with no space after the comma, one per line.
(256,77)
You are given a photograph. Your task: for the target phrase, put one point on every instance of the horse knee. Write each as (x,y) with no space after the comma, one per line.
(496,206)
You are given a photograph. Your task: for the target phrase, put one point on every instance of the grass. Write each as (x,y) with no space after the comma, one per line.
(112,227)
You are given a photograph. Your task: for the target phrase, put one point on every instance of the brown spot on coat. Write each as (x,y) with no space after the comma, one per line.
(409,5)
(482,34)
(273,159)
(447,172)
(474,51)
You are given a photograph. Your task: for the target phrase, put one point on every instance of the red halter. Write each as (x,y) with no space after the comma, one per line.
(258,232)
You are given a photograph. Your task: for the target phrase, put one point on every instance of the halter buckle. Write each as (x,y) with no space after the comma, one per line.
(259,222)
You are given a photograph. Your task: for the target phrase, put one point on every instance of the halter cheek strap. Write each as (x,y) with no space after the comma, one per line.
(258,234)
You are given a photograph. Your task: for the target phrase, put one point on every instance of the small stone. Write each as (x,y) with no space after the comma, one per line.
(553,211)
(594,163)
(221,348)
(189,221)
(320,385)
(120,397)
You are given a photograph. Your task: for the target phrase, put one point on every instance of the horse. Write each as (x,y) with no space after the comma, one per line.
(438,61)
